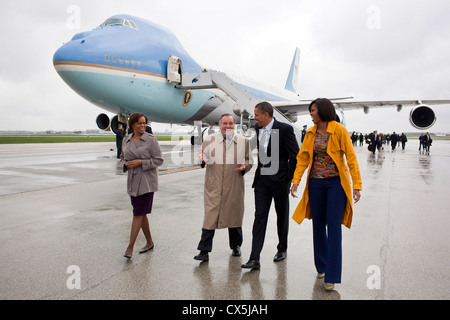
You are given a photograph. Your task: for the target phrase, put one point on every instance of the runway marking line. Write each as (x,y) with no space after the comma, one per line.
(175,170)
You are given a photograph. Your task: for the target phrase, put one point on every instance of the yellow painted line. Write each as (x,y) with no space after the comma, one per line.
(179,169)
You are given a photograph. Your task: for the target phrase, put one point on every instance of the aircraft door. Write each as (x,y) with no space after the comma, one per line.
(174,70)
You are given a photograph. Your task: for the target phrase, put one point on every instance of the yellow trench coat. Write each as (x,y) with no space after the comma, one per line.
(224,188)
(339,144)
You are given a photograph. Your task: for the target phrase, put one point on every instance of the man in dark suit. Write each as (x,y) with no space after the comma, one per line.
(304,132)
(374,141)
(277,159)
(120,133)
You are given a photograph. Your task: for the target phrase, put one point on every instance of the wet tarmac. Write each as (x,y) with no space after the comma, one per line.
(65,220)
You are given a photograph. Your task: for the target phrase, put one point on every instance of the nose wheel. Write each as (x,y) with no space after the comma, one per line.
(198,139)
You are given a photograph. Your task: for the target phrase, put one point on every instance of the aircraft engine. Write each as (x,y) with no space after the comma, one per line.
(103,122)
(291,116)
(115,123)
(422,117)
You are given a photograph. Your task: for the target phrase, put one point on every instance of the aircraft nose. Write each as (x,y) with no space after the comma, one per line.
(61,54)
(71,51)
(78,49)
(69,61)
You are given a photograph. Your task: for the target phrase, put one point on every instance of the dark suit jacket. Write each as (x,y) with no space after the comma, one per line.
(288,150)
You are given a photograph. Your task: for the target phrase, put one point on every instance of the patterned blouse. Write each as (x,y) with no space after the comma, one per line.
(323,166)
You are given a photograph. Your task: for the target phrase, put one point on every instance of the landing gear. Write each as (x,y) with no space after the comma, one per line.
(197,137)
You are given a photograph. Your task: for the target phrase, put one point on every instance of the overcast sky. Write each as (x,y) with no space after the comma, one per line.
(371,50)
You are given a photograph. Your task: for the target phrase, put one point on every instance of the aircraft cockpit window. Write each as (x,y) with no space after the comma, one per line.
(133,25)
(120,22)
(111,22)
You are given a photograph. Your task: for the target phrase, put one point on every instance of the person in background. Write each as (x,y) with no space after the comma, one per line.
(354,139)
(374,141)
(421,142)
(211,130)
(427,142)
(120,133)
(403,139)
(304,132)
(394,139)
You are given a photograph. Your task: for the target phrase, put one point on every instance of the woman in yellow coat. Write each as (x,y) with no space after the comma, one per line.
(327,198)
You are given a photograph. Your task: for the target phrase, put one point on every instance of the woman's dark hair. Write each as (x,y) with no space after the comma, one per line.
(325,108)
(134,118)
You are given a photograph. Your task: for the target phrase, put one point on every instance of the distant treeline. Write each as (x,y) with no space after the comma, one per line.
(65,138)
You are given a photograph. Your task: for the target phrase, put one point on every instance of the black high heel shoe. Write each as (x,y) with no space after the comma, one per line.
(128,256)
(144,250)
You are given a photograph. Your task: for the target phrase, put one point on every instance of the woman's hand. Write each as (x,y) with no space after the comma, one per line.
(134,163)
(356,195)
(294,190)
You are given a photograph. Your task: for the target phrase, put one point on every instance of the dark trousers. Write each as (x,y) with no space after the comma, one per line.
(206,241)
(328,201)
(393,145)
(265,191)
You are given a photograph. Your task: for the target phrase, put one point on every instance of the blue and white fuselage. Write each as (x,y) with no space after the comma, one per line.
(121,66)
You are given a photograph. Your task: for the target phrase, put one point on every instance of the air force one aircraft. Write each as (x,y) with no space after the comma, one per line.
(128,64)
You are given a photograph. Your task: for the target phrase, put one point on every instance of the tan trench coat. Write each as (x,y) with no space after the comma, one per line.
(224,188)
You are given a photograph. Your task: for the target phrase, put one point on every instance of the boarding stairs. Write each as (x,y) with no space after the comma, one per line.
(244,101)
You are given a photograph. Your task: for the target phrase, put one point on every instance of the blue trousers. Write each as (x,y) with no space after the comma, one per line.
(328,200)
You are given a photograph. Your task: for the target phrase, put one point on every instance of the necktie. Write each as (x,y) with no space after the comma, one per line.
(262,141)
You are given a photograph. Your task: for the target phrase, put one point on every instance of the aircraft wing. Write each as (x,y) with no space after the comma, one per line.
(291,107)
(301,107)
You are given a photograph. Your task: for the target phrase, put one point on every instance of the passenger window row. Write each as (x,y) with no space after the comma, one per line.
(122,61)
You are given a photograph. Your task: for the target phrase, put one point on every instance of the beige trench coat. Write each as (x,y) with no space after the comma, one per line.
(224,188)
(142,179)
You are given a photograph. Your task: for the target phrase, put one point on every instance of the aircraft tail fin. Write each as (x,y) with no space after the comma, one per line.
(292,80)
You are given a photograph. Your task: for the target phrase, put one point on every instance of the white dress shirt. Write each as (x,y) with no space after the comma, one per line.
(268,130)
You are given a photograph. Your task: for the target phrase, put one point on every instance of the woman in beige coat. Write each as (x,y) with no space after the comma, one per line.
(141,156)
(227,157)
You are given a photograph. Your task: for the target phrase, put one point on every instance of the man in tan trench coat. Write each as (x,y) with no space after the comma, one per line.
(227,157)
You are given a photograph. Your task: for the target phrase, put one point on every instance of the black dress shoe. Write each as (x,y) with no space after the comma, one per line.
(251,264)
(280,256)
(236,251)
(202,256)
